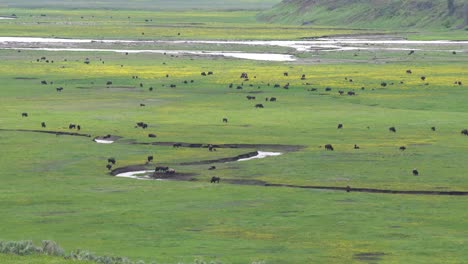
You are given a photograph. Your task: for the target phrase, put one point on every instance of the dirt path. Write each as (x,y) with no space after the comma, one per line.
(58,133)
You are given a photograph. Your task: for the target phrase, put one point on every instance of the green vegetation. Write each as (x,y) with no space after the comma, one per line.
(142,4)
(57,188)
(397,14)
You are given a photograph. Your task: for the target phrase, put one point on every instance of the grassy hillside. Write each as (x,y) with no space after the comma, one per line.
(142,4)
(394,14)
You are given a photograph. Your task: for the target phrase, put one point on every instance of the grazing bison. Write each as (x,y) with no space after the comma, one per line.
(173,86)
(341,92)
(273,99)
(402,148)
(351,93)
(109,167)
(225,120)
(409,72)
(328,89)
(111,160)
(276,85)
(24,114)
(215,179)
(203,74)
(150,158)
(464,132)
(383,84)
(71,126)
(303,77)
(109,83)
(433,128)
(78,127)
(423,78)
(210,73)
(285,74)
(59,89)
(43,82)
(348,189)
(177,145)
(244,75)
(170,171)
(259,106)
(415,172)
(340,126)
(249,97)
(329,147)
(411,52)
(142,105)
(161,168)
(152,135)
(392,129)
(212,168)
(356,146)
(43,124)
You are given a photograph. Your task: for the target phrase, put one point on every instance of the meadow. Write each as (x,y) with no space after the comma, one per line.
(56,187)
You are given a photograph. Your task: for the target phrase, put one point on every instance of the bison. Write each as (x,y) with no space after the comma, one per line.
(215,179)
(415,172)
(356,146)
(259,106)
(340,126)
(464,132)
(273,99)
(392,129)
(111,160)
(177,145)
(109,167)
(43,124)
(152,135)
(329,147)
(71,126)
(161,168)
(212,168)
(402,148)
(225,120)
(150,158)
(24,114)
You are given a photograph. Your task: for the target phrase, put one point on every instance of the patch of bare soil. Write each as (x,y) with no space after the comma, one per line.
(25,78)
(371,257)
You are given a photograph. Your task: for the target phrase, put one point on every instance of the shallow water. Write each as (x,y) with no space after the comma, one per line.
(134,175)
(261,155)
(101,141)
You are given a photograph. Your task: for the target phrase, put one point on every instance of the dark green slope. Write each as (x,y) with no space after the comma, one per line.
(391,14)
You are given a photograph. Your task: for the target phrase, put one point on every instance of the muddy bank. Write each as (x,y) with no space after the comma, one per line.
(58,133)
(108,139)
(286,148)
(133,170)
(222,160)
(369,190)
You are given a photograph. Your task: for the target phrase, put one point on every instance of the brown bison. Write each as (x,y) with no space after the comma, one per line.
(329,147)
(215,179)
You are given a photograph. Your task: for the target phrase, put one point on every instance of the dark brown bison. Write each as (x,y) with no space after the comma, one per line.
(43,124)
(161,168)
(109,167)
(203,74)
(273,99)
(303,77)
(249,97)
(409,72)
(212,168)
(402,148)
(329,147)
(59,89)
(24,114)
(285,74)
(71,126)
(215,179)
(109,83)
(351,93)
(464,132)
(244,75)
(152,135)
(150,158)
(423,78)
(259,106)
(111,160)
(356,146)
(340,126)
(433,128)
(415,172)
(392,129)
(225,120)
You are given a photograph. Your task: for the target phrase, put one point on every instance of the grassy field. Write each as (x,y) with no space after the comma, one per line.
(56,187)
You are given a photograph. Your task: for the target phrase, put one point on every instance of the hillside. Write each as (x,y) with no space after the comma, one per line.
(391,14)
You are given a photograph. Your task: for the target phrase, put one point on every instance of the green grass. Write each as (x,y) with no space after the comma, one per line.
(57,187)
